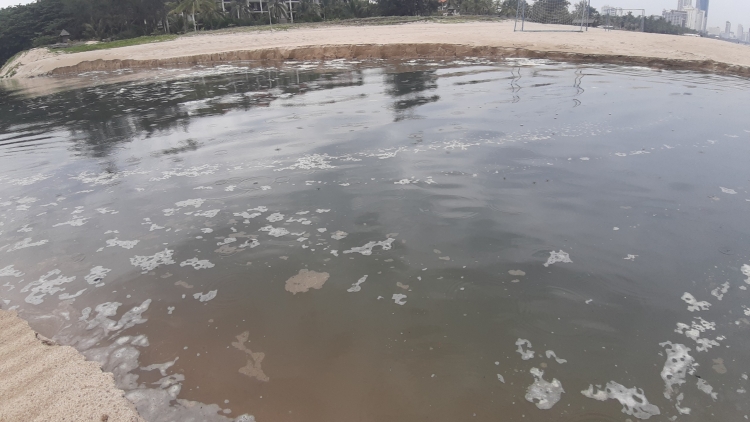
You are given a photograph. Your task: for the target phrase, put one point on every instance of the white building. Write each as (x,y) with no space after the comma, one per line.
(695,18)
(740,32)
(675,17)
(714,31)
(682,4)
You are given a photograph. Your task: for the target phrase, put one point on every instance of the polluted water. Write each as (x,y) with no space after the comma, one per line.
(388,240)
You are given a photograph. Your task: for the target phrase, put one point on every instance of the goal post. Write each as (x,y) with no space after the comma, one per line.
(552,15)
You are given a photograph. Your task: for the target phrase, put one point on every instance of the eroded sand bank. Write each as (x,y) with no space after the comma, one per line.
(482,39)
(42,381)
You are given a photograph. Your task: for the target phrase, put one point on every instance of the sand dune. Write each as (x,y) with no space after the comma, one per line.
(495,39)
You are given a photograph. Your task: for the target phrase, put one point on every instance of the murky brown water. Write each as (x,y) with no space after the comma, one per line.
(440,241)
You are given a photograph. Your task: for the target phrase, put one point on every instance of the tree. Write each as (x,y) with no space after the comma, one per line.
(278,9)
(550,11)
(407,7)
(206,7)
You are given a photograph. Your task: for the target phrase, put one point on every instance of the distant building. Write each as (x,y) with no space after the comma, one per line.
(695,18)
(675,17)
(714,31)
(703,5)
(682,4)
(740,32)
(64,36)
(729,28)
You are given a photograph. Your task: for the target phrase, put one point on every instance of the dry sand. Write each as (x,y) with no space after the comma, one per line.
(41,381)
(481,39)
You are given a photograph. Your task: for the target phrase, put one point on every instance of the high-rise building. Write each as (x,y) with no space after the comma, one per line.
(703,5)
(682,4)
(729,28)
(740,32)
(695,18)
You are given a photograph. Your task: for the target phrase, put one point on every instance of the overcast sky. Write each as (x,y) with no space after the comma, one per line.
(720,11)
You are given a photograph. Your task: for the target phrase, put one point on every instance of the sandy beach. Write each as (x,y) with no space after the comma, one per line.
(42,381)
(412,40)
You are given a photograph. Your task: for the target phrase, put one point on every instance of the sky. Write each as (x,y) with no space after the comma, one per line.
(720,11)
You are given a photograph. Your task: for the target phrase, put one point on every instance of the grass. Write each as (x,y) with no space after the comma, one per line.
(118,43)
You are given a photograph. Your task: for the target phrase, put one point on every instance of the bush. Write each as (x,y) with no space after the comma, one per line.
(44,40)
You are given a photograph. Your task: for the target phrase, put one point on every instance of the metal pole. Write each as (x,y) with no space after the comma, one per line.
(588,14)
(523,16)
(518,5)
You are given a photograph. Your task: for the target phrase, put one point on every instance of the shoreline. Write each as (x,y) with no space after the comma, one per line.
(402,41)
(43,381)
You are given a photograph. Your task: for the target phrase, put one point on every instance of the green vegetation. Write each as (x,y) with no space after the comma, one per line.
(119,43)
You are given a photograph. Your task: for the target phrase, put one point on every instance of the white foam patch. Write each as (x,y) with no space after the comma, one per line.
(630,257)
(68,296)
(633,401)
(525,354)
(727,190)
(106,211)
(227,241)
(694,331)
(202,188)
(203,170)
(720,291)
(161,367)
(399,299)
(205,297)
(125,244)
(230,188)
(543,394)
(76,222)
(274,231)
(555,257)
(148,263)
(693,304)
(26,181)
(27,243)
(704,386)
(198,264)
(551,354)
(46,285)
(96,275)
(367,248)
(190,203)
(746,272)
(250,243)
(208,214)
(107,309)
(310,162)
(9,271)
(357,286)
(275,217)
(321,210)
(678,364)
(338,235)
(247,215)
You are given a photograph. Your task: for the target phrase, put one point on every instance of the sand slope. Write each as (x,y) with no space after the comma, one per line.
(419,39)
(41,382)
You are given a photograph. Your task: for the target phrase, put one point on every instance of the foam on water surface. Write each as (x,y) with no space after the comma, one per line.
(633,400)
(544,394)
(148,263)
(559,256)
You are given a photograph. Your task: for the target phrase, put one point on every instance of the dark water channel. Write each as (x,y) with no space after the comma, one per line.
(415,241)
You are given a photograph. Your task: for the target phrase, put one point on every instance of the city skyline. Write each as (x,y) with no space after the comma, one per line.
(720,11)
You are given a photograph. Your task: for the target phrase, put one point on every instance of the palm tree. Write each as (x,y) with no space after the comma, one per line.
(238,7)
(278,9)
(207,7)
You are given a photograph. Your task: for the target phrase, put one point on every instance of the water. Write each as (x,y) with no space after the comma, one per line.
(442,241)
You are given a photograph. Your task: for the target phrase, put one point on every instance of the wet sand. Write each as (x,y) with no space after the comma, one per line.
(42,381)
(477,39)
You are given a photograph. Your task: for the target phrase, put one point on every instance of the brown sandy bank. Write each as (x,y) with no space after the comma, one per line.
(41,381)
(414,40)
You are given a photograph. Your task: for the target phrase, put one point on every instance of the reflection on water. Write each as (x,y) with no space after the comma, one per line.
(406,241)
